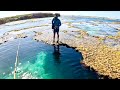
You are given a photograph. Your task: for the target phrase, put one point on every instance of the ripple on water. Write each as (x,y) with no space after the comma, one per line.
(40,60)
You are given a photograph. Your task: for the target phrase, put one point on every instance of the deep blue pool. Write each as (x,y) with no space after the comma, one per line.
(41,61)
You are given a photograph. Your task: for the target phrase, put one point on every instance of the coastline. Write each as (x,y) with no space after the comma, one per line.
(24,17)
(98,57)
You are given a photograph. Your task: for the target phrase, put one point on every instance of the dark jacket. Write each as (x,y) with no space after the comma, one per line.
(56,22)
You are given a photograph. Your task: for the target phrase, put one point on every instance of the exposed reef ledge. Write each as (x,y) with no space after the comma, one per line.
(97,56)
(8,37)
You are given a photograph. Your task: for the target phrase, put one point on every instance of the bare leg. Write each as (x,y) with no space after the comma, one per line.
(57,37)
(53,37)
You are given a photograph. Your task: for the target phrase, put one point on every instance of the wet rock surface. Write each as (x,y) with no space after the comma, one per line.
(101,58)
(101,53)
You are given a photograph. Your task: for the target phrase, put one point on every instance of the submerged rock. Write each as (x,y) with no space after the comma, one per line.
(97,55)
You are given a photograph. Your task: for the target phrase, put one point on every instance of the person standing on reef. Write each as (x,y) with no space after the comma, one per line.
(56,23)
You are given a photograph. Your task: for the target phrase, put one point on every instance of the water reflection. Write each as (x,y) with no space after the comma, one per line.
(81,56)
(64,63)
(56,53)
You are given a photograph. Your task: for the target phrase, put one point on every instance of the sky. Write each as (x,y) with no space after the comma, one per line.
(109,14)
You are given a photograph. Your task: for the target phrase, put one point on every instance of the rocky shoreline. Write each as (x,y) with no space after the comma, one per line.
(99,55)
(24,17)
(8,37)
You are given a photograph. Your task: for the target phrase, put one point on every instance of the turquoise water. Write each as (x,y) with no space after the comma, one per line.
(22,24)
(93,26)
(101,27)
(99,30)
(38,60)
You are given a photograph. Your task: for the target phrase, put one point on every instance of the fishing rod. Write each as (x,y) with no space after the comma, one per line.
(16,62)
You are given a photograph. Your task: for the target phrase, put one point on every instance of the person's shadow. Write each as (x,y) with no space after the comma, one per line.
(56,53)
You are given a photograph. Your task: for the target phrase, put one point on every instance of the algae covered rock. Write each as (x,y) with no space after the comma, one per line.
(22,35)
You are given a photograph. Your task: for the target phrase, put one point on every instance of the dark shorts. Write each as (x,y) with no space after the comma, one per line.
(56,30)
